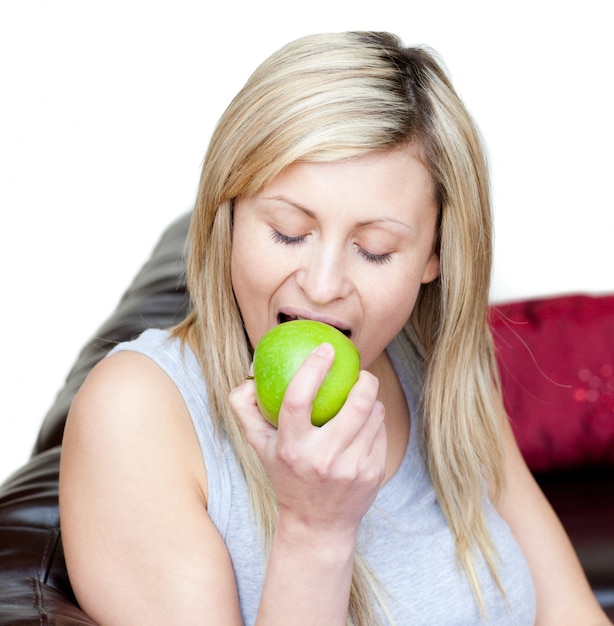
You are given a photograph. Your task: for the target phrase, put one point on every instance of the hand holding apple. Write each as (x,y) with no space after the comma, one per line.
(280,353)
(325,478)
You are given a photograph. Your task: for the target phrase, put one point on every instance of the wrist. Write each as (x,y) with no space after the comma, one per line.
(321,540)
(307,561)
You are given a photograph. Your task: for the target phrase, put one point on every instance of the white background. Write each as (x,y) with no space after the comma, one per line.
(106,109)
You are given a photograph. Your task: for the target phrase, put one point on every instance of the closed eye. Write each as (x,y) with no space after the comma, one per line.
(287,239)
(379,259)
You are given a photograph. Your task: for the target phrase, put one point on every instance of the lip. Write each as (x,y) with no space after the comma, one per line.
(292,313)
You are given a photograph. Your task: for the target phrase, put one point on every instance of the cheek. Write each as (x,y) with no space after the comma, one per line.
(388,312)
(244,282)
(245,272)
(396,309)
(253,269)
(255,277)
(238,261)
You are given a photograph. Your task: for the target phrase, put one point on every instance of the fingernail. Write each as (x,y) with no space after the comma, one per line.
(325,349)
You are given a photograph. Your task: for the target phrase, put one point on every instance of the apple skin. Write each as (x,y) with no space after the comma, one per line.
(282,350)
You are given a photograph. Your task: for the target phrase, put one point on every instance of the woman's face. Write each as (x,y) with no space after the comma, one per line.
(348,243)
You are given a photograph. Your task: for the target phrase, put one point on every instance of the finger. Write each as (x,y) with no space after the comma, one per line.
(295,413)
(243,395)
(373,426)
(368,450)
(256,428)
(375,439)
(355,413)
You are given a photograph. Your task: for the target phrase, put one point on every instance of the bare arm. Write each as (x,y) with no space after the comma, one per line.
(325,480)
(564,596)
(140,547)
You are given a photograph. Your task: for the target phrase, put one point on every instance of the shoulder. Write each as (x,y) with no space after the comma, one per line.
(126,393)
(167,350)
(122,385)
(129,415)
(133,498)
(175,358)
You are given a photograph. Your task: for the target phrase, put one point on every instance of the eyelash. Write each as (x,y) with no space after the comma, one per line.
(278,237)
(377,259)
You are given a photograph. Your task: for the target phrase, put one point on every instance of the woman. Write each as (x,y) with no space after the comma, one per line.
(345,183)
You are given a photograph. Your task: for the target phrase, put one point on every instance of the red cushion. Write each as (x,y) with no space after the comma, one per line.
(556,357)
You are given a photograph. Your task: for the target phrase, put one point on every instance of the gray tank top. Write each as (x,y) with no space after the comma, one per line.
(404,536)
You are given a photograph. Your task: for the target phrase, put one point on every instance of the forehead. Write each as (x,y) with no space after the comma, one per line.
(383,178)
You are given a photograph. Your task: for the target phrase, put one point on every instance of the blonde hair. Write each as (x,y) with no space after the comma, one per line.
(335,96)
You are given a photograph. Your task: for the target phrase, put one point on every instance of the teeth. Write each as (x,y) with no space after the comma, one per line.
(283,317)
(290,318)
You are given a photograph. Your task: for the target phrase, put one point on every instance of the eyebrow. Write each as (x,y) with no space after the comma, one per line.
(312,215)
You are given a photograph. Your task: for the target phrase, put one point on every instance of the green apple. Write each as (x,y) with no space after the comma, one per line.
(282,350)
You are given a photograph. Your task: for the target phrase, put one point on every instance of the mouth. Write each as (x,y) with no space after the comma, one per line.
(284,317)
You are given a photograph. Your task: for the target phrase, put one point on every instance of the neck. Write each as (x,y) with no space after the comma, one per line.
(397,418)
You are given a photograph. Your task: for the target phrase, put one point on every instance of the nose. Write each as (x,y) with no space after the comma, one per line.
(324,276)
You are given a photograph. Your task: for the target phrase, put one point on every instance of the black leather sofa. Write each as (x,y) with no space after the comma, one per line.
(34,587)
